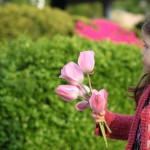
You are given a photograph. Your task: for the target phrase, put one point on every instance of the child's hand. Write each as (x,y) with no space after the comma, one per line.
(99,117)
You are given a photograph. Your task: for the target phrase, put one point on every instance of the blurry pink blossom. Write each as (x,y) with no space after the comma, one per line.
(101,29)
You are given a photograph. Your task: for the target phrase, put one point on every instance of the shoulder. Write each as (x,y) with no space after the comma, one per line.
(145,123)
(143,97)
(145,114)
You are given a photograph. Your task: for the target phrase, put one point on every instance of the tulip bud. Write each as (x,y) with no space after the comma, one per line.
(98,100)
(82,105)
(72,73)
(86,61)
(67,92)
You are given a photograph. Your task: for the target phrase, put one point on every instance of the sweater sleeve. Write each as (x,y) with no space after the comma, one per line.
(119,124)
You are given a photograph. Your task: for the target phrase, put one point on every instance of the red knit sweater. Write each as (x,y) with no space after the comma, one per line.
(124,127)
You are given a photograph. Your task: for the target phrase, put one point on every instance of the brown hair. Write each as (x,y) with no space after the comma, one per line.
(145,79)
(146,27)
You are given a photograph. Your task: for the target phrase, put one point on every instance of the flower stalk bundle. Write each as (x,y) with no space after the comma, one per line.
(74,74)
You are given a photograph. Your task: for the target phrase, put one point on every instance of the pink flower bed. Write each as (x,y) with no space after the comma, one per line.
(101,29)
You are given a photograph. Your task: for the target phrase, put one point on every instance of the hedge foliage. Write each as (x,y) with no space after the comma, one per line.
(16,20)
(32,116)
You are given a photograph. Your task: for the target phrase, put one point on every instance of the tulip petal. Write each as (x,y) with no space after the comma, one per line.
(104,93)
(68,92)
(82,105)
(97,101)
(75,72)
(72,73)
(86,61)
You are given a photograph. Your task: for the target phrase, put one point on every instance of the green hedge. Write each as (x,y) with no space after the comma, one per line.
(32,116)
(90,10)
(134,6)
(16,20)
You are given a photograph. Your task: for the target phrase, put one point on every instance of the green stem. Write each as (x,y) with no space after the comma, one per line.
(82,97)
(85,90)
(103,133)
(105,123)
(88,75)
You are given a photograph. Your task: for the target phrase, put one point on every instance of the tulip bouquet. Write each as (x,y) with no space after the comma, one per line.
(74,74)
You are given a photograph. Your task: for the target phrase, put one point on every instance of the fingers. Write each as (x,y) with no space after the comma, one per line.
(95,115)
(98,115)
(102,113)
(98,118)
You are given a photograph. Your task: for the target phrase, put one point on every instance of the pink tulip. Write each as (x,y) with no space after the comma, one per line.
(68,92)
(86,61)
(82,105)
(72,73)
(98,100)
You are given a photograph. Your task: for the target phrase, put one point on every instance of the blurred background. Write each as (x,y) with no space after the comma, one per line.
(37,38)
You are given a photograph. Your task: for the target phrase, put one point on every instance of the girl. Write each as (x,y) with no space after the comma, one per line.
(134,128)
